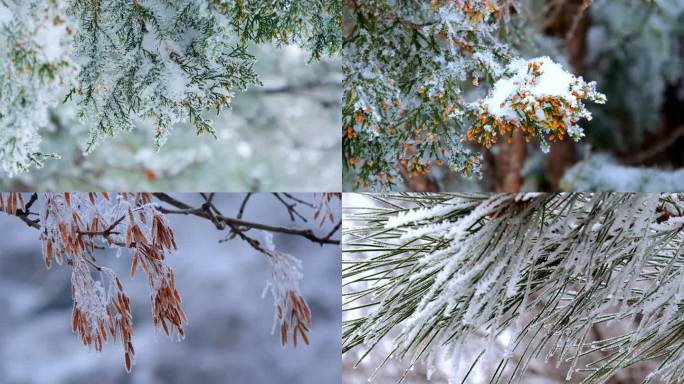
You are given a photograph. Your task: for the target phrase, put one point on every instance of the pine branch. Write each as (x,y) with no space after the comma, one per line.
(440,272)
(157,63)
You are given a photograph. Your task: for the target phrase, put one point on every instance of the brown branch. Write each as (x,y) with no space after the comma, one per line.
(106,232)
(185,209)
(24,213)
(238,226)
(334,230)
(291,208)
(23,216)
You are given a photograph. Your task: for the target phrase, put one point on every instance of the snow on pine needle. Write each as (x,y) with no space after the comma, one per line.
(415,72)
(431,274)
(292,314)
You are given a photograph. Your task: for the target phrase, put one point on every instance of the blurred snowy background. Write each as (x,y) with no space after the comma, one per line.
(275,137)
(229,336)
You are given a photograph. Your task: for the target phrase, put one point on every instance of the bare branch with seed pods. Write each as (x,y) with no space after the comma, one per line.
(73,226)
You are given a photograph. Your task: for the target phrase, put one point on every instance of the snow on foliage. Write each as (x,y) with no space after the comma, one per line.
(36,66)
(126,63)
(540,99)
(408,67)
(532,272)
(634,51)
(603,173)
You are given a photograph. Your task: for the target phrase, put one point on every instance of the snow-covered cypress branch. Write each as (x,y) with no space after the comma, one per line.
(414,71)
(36,66)
(433,273)
(128,62)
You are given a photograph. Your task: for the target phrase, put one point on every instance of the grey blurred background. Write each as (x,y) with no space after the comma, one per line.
(229,336)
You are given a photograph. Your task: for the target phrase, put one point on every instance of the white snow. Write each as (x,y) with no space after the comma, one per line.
(5,15)
(602,173)
(553,81)
(176,82)
(49,37)
(416,215)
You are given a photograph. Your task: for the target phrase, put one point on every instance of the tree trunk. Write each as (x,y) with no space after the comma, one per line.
(570,22)
(508,164)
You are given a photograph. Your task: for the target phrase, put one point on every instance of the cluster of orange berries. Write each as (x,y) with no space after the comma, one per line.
(449,107)
(361,117)
(381,177)
(415,167)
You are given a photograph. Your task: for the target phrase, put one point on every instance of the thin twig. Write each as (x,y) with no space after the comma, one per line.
(298,200)
(242,206)
(106,232)
(291,208)
(24,213)
(334,230)
(185,209)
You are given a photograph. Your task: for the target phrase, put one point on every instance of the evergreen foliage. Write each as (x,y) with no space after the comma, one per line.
(446,273)
(127,62)
(414,73)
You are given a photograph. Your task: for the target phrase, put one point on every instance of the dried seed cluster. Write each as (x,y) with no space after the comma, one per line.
(292,313)
(99,314)
(323,209)
(74,225)
(10,204)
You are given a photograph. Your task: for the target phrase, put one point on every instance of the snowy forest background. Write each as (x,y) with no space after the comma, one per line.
(272,133)
(229,333)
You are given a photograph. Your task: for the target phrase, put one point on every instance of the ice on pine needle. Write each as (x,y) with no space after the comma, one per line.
(446,279)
